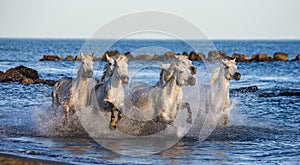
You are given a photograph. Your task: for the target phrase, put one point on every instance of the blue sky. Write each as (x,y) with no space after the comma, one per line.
(218,19)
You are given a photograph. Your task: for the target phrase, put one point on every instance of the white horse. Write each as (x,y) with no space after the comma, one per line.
(166,98)
(109,93)
(72,93)
(221,80)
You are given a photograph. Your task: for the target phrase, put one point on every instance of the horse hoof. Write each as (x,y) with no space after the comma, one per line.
(112,128)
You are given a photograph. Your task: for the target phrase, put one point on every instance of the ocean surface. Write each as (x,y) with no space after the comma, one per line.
(263,130)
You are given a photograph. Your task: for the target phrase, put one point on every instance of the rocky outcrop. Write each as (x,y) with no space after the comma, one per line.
(143,57)
(196,57)
(280,56)
(23,75)
(110,54)
(297,58)
(216,55)
(261,57)
(129,56)
(51,58)
(276,94)
(69,58)
(240,57)
(246,89)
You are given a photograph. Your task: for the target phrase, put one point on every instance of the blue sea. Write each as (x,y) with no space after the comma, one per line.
(263,130)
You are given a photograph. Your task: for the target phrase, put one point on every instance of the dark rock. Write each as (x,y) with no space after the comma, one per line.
(110,54)
(196,57)
(11,75)
(217,55)
(49,82)
(143,57)
(23,75)
(297,58)
(289,93)
(27,81)
(240,57)
(261,57)
(170,54)
(246,89)
(70,58)
(129,56)
(270,94)
(280,56)
(27,72)
(51,58)
(185,54)
(285,93)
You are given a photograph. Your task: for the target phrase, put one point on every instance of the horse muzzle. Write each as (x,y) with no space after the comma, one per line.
(125,79)
(191,80)
(90,74)
(237,76)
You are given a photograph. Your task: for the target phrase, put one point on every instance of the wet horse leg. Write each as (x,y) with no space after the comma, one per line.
(120,115)
(187,106)
(112,118)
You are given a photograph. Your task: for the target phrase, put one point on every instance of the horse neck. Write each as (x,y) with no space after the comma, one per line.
(220,79)
(115,79)
(172,88)
(79,80)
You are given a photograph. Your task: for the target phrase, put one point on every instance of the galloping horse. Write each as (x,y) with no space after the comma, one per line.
(221,80)
(109,93)
(166,98)
(71,93)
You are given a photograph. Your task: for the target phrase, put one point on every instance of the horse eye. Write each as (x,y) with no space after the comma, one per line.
(181,71)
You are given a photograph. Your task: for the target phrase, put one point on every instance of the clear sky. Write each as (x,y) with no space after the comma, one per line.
(218,19)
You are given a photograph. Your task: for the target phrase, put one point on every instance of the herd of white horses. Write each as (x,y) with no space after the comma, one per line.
(159,103)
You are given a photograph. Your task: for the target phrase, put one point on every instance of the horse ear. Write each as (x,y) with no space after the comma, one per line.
(93,54)
(234,60)
(81,54)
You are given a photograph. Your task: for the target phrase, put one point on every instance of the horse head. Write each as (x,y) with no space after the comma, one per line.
(121,68)
(231,71)
(86,68)
(183,70)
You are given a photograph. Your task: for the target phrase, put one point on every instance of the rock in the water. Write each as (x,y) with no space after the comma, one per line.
(23,75)
(143,57)
(27,81)
(285,93)
(280,56)
(240,57)
(70,58)
(110,54)
(185,54)
(11,75)
(51,58)
(297,58)
(27,72)
(246,89)
(196,57)
(261,57)
(216,55)
(129,56)
(50,82)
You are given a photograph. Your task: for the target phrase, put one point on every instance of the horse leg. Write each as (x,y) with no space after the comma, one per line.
(112,119)
(120,115)
(187,106)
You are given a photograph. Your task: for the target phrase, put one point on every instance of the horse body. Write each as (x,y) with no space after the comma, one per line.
(220,80)
(166,98)
(72,93)
(109,93)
